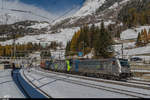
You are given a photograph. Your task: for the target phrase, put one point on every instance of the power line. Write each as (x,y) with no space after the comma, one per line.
(30,12)
(64,13)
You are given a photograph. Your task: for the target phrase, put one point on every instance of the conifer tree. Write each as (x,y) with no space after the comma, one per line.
(91,36)
(74,42)
(145,36)
(139,40)
(103,42)
(142,36)
(67,48)
(148,36)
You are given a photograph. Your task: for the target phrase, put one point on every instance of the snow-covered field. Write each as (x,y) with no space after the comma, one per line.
(8,88)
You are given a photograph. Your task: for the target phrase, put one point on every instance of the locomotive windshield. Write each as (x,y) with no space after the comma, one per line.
(124,63)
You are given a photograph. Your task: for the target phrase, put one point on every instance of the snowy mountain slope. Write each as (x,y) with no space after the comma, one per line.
(12,16)
(92,11)
(63,36)
(89,7)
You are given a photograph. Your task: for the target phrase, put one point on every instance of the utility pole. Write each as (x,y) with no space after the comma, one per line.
(2,12)
(122,51)
(83,43)
(14,40)
(59,53)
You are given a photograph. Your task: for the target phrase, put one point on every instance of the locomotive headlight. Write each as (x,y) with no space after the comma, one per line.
(113,63)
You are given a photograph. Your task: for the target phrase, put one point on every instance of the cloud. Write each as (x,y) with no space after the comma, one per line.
(37,13)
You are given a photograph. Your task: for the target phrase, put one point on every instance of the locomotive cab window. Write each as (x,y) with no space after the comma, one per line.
(124,63)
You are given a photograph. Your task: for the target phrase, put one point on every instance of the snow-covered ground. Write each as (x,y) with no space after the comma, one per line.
(133,33)
(57,87)
(8,88)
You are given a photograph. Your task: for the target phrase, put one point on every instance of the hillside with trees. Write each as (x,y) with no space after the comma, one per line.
(88,38)
(135,13)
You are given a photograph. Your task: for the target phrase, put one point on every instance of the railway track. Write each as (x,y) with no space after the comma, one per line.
(101,87)
(139,82)
(128,83)
(147,81)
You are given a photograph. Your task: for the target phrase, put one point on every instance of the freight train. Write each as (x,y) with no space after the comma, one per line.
(114,69)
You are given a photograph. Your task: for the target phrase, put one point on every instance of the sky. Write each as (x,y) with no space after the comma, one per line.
(55,6)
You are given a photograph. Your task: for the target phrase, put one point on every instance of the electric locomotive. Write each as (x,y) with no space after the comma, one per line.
(113,68)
